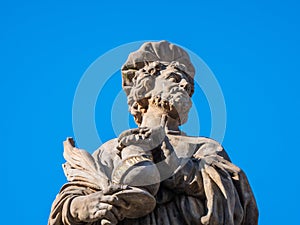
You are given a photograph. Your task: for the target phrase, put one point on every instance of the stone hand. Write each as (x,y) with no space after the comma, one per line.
(96,206)
(144,137)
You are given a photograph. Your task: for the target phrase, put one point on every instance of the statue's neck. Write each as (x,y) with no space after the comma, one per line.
(155,117)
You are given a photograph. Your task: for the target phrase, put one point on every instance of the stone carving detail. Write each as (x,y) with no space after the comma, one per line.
(154,174)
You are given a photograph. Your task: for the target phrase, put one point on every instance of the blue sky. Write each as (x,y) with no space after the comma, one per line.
(252,47)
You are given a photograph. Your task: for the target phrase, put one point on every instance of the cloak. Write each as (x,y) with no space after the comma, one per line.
(205,189)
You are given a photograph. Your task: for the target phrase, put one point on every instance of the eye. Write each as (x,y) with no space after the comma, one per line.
(174,77)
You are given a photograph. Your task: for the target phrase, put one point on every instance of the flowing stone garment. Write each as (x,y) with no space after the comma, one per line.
(208,189)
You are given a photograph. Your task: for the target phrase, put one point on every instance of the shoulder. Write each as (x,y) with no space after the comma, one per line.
(107,155)
(202,145)
(208,146)
(108,147)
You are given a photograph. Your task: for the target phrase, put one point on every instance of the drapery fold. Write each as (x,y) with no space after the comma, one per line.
(207,190)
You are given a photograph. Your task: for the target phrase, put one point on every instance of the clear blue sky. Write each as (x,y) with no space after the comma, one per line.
(251,46)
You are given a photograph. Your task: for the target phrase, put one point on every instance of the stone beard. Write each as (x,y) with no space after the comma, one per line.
(165,87)
(154,174)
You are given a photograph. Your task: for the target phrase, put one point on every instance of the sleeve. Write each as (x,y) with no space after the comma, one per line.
(60,214)
(189,178)
(223,187)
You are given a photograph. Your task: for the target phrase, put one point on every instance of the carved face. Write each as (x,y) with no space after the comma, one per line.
(172,93)
(161,86)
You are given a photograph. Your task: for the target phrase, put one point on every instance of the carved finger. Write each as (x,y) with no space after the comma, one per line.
(148,133)
(135,130)
(122,140)
(106,214)
(143,130)
(127,140)
(136,137)
(127,133)
(108,199)
(113,188)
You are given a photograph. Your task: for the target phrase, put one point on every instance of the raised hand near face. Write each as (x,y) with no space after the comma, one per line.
(144,137)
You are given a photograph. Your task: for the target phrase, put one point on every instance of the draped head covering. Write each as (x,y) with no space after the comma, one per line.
(162,51)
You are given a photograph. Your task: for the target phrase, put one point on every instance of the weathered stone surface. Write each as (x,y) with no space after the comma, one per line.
(154,174)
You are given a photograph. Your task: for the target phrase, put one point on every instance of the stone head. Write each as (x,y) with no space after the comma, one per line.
(159,75)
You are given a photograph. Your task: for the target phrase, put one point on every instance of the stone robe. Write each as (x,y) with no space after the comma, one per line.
(206,190)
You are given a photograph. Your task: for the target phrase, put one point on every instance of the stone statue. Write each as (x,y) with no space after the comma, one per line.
(154,174)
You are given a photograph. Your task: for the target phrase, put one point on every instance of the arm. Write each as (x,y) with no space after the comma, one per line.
(88,196)
(78,205)
(187,180)
(209,176)
(195,154)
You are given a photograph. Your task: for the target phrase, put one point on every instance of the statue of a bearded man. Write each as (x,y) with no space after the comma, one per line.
(154,174)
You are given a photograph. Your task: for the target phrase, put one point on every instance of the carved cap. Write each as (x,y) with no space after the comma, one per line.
(162,51)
